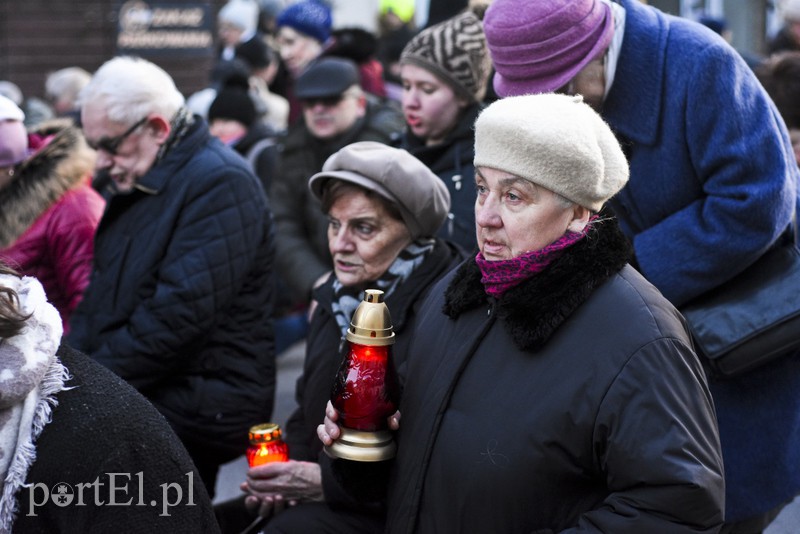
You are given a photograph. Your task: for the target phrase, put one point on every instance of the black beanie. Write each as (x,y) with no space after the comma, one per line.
(254,52)
(233,103)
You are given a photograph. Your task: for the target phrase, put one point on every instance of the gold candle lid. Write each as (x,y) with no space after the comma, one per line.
(371,323)
(265,432)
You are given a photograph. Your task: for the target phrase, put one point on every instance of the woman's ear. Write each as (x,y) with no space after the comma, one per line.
(580,218)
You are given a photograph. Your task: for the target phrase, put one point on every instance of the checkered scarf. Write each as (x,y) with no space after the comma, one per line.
(347,299)
(30,377)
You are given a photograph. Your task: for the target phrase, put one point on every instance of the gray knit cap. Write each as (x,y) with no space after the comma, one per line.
(456,51)
(555,141)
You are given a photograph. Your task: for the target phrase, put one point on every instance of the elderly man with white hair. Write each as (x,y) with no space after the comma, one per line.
(180,299)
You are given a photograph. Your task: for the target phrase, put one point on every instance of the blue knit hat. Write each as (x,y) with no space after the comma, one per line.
(309,17)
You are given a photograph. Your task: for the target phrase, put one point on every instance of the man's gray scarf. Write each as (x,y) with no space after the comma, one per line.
(180,125)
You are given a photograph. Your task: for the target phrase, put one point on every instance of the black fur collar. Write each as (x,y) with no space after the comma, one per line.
(535,309)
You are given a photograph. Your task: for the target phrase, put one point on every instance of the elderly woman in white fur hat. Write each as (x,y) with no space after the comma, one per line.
(549,387)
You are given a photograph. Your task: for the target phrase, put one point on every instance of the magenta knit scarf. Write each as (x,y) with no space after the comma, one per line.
(500,276)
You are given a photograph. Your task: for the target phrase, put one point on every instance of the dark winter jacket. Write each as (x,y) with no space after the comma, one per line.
(259,147)
(573,403)
(322,360)
(102,426)
(48,216)
(180,300)
(451,161)
(301,227)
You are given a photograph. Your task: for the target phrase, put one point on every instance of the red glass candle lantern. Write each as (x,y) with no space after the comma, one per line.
(365,389)
(266,445)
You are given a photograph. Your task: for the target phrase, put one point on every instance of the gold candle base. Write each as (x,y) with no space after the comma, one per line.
(363,446)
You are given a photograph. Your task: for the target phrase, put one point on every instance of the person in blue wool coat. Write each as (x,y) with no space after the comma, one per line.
(713,185)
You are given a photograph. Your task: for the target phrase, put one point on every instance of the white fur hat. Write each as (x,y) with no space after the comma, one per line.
(240,13)
(9,111)
(555,141)
(13,137)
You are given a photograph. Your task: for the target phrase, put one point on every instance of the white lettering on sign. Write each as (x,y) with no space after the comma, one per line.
(190,17)
(165,39)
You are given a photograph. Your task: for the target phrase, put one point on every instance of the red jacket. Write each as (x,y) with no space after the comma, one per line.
(57,248)
(53,241)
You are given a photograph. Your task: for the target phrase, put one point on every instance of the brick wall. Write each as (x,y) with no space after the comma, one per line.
(40,36)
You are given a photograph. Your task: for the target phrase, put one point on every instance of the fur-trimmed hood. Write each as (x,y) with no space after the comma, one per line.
(43,178)
(535,309)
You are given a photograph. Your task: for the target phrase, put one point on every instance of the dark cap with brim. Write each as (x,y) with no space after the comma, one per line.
(325,78)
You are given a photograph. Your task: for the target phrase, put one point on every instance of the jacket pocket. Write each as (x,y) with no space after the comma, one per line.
(110,270)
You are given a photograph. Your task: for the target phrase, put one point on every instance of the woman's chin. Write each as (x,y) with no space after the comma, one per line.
(348,279)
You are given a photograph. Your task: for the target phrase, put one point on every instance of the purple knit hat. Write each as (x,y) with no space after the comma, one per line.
(537,46)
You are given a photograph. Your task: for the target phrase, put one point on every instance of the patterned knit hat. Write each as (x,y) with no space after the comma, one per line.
(455,51)
(555,141)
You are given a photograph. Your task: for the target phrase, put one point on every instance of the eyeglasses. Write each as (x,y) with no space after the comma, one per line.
(111,144)
(593,70)
(328,101)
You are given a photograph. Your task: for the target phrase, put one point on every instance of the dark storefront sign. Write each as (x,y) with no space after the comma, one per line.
(150,29)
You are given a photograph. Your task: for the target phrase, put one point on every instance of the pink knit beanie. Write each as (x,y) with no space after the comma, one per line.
(537,46)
